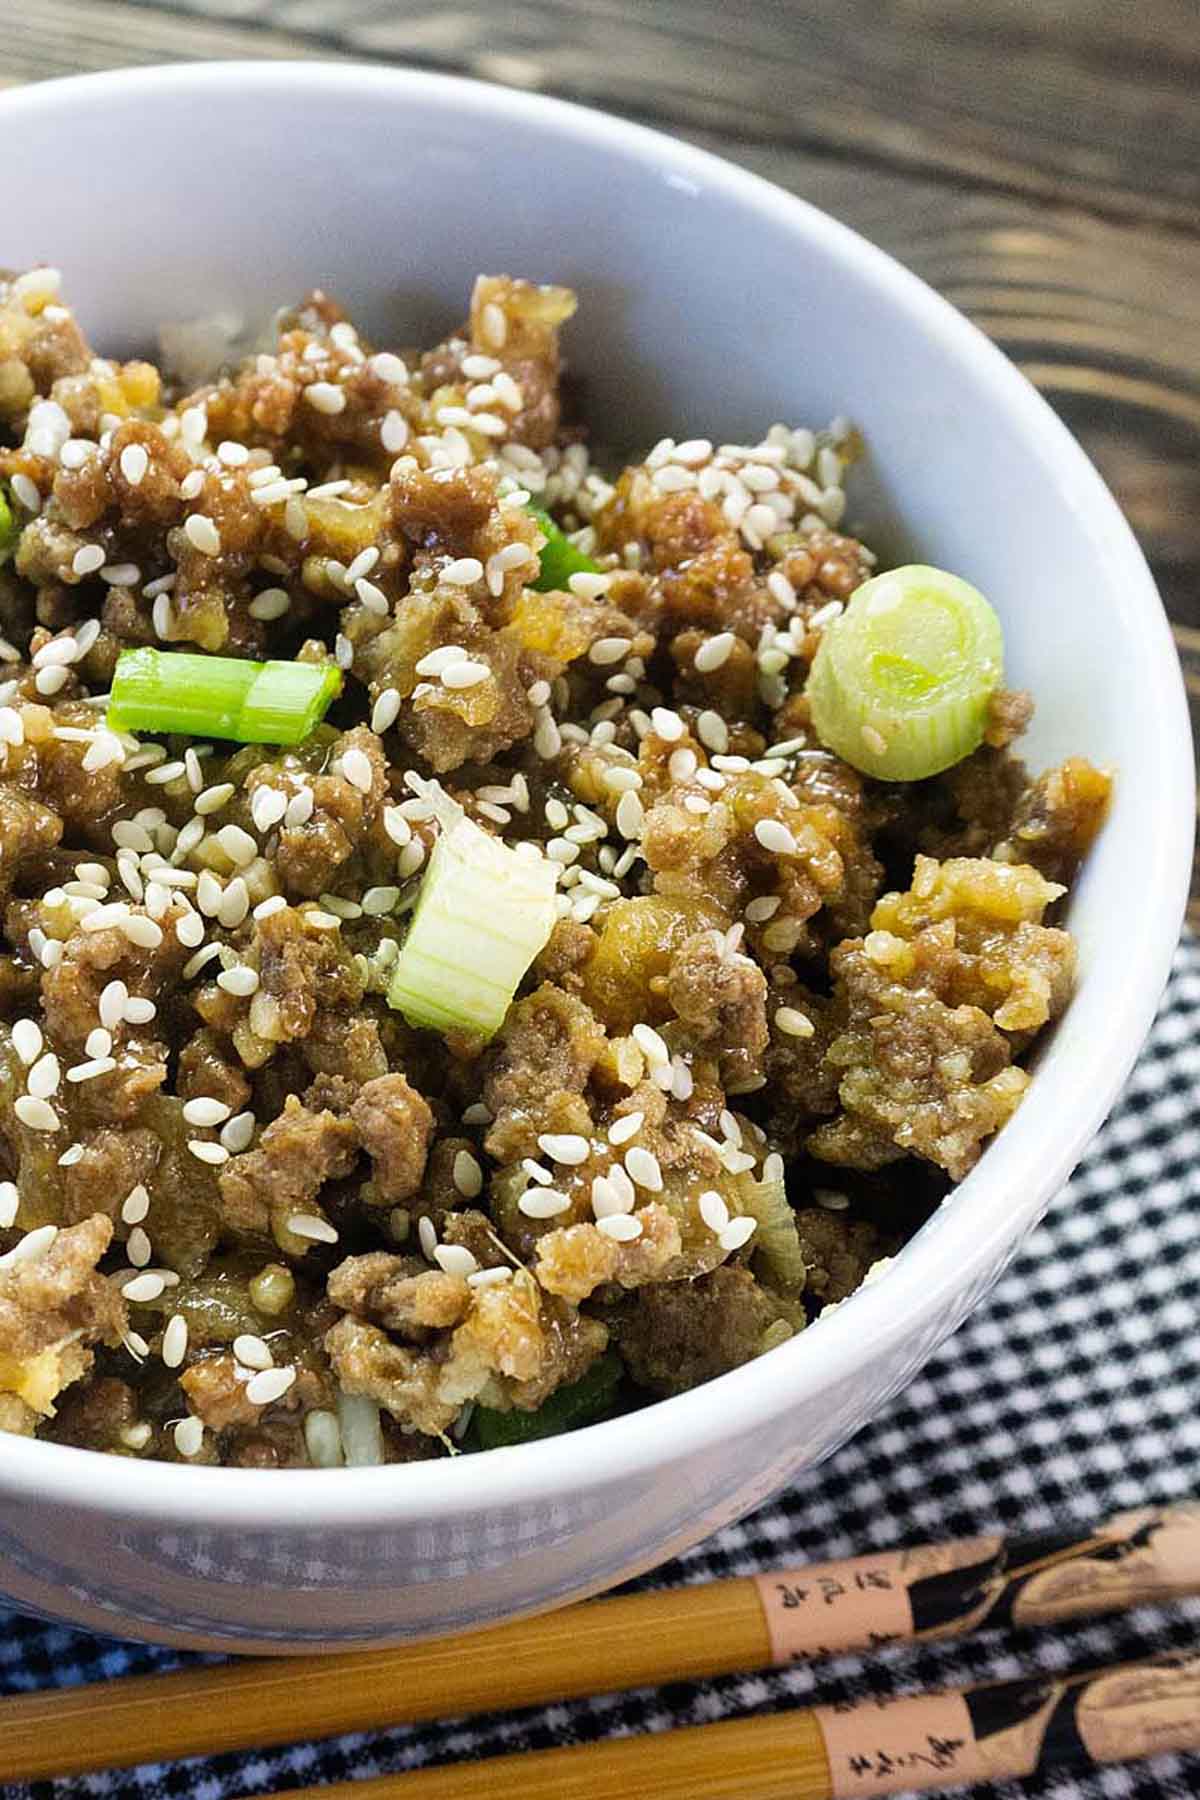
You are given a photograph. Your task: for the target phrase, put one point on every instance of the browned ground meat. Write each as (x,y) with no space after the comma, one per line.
(249,1214)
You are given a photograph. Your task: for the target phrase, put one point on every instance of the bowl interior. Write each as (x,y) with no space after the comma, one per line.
(710,305)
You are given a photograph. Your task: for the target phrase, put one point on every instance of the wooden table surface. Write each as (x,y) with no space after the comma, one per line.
(1039,163)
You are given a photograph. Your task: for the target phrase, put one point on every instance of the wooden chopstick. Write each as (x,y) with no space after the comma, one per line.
(637,1640)
(1001,1731)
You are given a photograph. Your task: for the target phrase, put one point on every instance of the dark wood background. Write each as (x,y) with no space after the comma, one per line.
(1036,160)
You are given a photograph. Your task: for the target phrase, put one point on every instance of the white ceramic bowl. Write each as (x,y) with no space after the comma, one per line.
(711,303)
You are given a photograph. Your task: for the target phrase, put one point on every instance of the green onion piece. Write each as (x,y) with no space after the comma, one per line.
(777,1240)
(483,914)
(558,556)
(220,696)
(10,531)
(590,1398)
(901,682)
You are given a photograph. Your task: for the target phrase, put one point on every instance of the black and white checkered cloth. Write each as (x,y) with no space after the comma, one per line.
(1073,1391)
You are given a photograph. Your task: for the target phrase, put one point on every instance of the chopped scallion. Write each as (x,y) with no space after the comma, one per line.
(558,556)
(10,531)
(585,1401)
(483,914)
(220,696)
(901,682)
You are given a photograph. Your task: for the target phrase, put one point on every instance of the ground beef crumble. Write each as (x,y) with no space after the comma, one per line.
(248,1214)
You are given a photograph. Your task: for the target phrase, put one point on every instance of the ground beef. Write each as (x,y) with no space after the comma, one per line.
(203,1086)
(678,1334)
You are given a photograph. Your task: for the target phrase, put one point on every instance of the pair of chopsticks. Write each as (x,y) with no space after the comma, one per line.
(823,1753)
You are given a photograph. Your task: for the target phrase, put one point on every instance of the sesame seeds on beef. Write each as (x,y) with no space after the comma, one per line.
(249,1214)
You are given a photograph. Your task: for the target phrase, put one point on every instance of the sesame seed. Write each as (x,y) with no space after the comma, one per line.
(204,1110)
(775,836)
(356,767)
(95,1067)
(202,534)
(267,807)
(269,1385)
(275,903)
(252,1352)
(322,921)
(623,1228)
(27,1040)
(538,693)
(793,1023)
(144,1289)
(643,1168)
(39,1115)
(667,724)
(737,1233)
(377,902)
(494,1277)
(455,1259)
(235,903)
(390,368)
(326,397)
(143,932)
(271,603)
(87,559)
(626,1127)
(136,1205)
(713,1211)
(138,1248)
(175,1341)
(295,519)
(214,798)
(50,680)
(189,1437)
(714,652)
(385,711)
(300,808)
(393,433)
(43,1078)
(543,1203)
(372,597)
(10,1200)
(314,1227)
(712,731)
(608,650)
(238,1133)
(465,674)
(760,910)
(468,1176)
(204,1152)
(25,491)
(682,764)
(651,1044)
(189,930)
(493,326)
(31,1248)
(564,1147)
(630,815)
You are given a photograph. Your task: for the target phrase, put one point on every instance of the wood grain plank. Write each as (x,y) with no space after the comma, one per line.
(1085,100)
(45,38)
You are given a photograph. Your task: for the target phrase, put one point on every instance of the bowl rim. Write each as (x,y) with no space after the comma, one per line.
(965,1238)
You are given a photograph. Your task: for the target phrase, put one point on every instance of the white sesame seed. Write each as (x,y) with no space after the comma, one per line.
(143,932)
(465,674)
(793,1023)
(295,519)
(651,1044)
(10,1200)
(643,1168)
(202,534)
(427,1236)
(43,1078)
(667,724)
(139,1011)
(138,1248)
(390,368)
(175,1341)
(190,932)
(204,1110)
(38,1114)
(682,764)
(189,1437)
(455,1259)
(87,559)
(737,1233)
(714,652)
(134,462)
(313,1227)
(25,491)
(543,1203)
(326,397)
(269,1385)
(90,1070)
(630,815)
(208,1153)
(214,798)
(136,1205)
(271,603)
(237,844)
(238,1133)
(468,1176)
(775,836)
(356,767)
(712,731)
(608,650)
(385,711)
(623,1228)
(144,1288)
(564,1147)
(27,1040)
(235,903)
(252,1352)
(322,921)
(50,680)
(626,1127)
(393,433)
(31,1248)
(713,1211)
(300,808)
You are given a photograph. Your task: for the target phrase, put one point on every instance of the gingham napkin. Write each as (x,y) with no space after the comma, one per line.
(1073,1391)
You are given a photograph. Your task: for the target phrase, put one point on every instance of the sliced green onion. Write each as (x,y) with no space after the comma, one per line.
(901,682)
(590,1398)
(777,1240)
(220,696)
(558,556)
(483,914)
(10,531)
